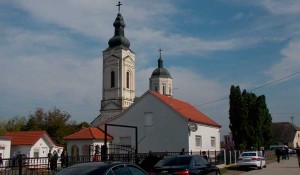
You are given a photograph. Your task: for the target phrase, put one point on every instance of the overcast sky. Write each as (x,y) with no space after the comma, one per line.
(51,53)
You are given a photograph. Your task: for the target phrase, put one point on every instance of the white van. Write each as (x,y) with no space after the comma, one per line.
(273,147)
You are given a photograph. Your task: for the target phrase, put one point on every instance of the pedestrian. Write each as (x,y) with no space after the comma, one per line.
(182,151)
(53,162)
(298,155)
(204,155)
(286,151)
(1,160)
(49,155)
(64,159)
(278,154)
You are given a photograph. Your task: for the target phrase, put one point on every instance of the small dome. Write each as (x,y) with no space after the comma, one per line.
(161,72)
(118,40)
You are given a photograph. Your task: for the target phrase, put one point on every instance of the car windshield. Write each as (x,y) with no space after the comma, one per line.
(83,171)
(174,161)
(248,154)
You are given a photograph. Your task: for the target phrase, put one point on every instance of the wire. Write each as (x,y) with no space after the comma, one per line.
(272,82)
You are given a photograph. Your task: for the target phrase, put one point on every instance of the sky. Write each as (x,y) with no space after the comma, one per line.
(51,53)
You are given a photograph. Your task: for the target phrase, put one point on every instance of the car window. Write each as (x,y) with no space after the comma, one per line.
(174,161)
(135,170)
(120,170)
(204,160)
(248,154)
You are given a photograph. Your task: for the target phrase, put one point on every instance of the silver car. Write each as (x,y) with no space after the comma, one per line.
(251,159)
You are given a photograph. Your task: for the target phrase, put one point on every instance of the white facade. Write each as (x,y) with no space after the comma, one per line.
(160,128)
(82,147)
(5,145)
(40,149)
(161,85)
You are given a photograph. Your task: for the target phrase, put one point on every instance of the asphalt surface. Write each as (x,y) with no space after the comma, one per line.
(285,167)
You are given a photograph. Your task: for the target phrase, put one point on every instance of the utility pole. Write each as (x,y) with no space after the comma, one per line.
(292,118)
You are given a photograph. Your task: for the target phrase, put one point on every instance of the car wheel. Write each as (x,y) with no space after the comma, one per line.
(260,165)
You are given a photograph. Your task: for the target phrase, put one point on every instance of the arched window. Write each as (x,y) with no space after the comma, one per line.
(112,79)
(127,79)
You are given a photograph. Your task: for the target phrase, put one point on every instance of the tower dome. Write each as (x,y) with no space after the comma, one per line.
(119,38)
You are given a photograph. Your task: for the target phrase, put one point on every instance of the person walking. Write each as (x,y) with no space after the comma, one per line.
(1,160)
(278,154)
(298,155)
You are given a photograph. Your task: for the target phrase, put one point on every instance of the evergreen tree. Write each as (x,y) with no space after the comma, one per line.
(250,121)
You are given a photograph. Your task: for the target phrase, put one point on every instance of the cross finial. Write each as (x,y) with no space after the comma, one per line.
(119,5)
(160,52)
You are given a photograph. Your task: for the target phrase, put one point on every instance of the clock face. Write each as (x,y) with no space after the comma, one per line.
(192,126)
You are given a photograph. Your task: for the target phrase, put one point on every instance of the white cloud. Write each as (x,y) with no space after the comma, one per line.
(289,63)
(282,7)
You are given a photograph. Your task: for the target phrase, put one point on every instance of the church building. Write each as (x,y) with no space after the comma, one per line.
(162,122)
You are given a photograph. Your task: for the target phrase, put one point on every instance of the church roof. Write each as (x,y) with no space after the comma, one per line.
(91,133)
(26,137)
(186,110)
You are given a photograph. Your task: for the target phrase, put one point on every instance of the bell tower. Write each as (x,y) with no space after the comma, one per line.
(161,80)
(118,86)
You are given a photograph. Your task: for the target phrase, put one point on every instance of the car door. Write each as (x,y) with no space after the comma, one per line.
(208,169)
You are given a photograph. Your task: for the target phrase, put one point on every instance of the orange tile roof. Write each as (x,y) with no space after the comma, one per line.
(25,137)
(186,110)
(91,133)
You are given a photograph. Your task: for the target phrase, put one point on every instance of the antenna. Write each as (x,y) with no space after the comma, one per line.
(292,118)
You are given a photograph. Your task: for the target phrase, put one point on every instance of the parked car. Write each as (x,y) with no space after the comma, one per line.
(103,168)
(251,159)
(184,165)
(292,151)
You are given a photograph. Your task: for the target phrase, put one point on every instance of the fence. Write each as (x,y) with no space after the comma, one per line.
(41,166)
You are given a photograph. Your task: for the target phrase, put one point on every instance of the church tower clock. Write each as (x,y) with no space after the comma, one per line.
(118,86)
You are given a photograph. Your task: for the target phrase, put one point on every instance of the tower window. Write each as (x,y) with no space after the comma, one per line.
(164,90)
(112,79)
(127,79)
(155,88)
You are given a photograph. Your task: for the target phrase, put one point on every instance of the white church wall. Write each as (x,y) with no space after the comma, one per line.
(169,132)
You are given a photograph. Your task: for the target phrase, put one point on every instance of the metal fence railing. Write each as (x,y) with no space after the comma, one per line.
(41,165)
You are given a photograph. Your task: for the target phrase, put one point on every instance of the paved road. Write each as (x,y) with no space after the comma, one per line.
(285,167)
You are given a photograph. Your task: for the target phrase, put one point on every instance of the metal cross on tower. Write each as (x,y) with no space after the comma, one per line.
(119,5)
(160,52)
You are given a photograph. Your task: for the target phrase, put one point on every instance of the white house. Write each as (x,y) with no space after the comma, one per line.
(5,144)
(83,142)
(164,124)
(32,143)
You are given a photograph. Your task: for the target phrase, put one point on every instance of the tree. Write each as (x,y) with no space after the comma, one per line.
(36,121)
(17,123)
(250,121)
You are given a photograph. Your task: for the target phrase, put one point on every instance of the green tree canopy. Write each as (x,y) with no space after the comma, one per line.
(250,121)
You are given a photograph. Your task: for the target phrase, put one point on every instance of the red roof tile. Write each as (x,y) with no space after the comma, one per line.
(186,110)
(25,137)
(91,133)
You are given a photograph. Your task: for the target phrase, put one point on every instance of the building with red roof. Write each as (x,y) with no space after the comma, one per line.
(165,124)
(31,143)
(84,141)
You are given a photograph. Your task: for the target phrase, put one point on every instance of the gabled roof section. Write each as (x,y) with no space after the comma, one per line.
(284,131)
(26,137)
(91,133)
(186,110)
